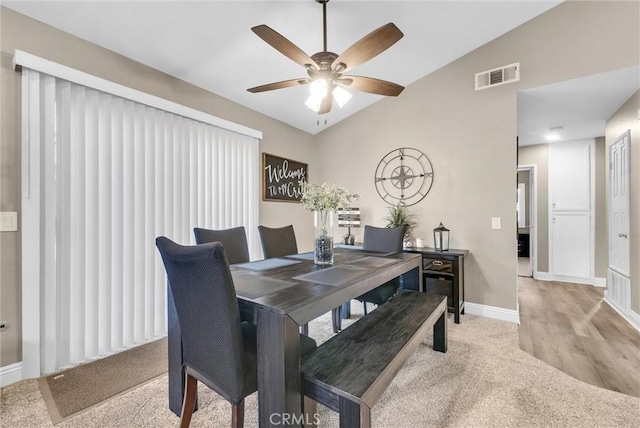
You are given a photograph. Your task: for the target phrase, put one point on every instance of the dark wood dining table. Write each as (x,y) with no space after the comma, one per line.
(282,294)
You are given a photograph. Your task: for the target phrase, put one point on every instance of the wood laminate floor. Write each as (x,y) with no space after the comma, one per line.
(570,327)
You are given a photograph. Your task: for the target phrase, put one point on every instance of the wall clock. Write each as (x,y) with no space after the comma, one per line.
(404,176)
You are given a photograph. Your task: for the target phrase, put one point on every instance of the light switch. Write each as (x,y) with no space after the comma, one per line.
(8,221)
(496,223)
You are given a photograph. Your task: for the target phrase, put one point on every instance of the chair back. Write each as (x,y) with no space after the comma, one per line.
(278,242)
(383,239)
(202,288)
(233,240)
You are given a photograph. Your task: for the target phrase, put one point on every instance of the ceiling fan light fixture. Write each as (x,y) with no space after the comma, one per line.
(319,88)
(341,96)
(326,69)
(314,102)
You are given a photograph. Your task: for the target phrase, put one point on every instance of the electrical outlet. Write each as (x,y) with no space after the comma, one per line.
(3,325)
(8,221)
(496,223)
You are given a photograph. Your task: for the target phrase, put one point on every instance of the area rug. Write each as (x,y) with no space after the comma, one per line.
(77,389)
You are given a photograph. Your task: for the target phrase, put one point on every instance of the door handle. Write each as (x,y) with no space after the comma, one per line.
(622,235)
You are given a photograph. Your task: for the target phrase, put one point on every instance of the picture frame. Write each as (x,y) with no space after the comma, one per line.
(281,178)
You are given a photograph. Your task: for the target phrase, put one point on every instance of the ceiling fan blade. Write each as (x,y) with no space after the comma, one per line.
(283,45)
(372,86)
(368,47)
(279,85)
(327,102)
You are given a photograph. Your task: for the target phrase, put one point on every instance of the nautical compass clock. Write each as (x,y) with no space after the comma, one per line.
(404,176)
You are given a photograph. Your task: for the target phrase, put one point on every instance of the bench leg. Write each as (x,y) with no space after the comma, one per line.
(354,415)
(309,412)
(440,333)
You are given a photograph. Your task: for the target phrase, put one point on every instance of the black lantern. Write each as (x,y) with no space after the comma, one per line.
(441,238)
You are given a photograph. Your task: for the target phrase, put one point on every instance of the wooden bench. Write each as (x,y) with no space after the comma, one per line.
(350,371)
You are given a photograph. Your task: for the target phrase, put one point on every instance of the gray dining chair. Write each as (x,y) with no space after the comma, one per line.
(383,240)
(202,288)
(233,240)
(278,242)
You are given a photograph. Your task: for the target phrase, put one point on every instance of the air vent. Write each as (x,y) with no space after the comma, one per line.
(498,76)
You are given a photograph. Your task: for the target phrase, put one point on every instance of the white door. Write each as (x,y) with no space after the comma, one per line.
(570,189)
(619,205)
(571,249)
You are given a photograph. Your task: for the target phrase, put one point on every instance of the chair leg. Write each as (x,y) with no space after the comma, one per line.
(237,415)
(337,319)
(190,390)
(304,329)
(365,307)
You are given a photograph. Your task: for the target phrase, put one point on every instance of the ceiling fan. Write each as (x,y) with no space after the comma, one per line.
(326,69)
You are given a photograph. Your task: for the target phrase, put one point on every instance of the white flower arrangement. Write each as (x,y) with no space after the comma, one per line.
(322,197)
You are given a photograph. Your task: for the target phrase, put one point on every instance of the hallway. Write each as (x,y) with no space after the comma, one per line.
(569,327)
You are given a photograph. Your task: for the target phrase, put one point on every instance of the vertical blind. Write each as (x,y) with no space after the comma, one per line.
(103,176)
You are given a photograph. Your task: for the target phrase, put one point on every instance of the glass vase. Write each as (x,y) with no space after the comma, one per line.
(323,237)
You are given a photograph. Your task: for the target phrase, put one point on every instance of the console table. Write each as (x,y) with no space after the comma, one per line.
(443,273)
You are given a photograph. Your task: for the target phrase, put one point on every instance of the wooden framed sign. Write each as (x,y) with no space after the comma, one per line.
(281,178)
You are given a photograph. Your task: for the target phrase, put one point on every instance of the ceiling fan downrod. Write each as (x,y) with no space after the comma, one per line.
(324,23)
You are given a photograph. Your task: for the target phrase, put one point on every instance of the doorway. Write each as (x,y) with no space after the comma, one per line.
(526,219)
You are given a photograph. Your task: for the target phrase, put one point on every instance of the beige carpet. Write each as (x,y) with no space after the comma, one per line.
(484,380)
(79,388)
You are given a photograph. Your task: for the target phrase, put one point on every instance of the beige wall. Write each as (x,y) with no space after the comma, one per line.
(470,136)
(627,118)
(20,32)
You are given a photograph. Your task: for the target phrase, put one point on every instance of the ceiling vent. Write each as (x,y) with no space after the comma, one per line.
(498,76)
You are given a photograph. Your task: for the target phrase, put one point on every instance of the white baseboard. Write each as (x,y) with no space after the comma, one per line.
(10,374)
(492,312)
(572,280)
(542,276)
(600,282)
(547,276)
(629,316)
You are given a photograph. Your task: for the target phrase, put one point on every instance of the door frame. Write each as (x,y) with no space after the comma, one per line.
(533,215)
(626,134)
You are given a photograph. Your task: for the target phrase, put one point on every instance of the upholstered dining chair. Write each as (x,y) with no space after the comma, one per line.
(233,240)
(384,240)
(207,309)
(278,242)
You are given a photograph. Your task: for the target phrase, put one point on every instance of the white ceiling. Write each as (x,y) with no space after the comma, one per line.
(210,44)
(580,106)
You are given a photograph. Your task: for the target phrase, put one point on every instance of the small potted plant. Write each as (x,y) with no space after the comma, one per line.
(399,215)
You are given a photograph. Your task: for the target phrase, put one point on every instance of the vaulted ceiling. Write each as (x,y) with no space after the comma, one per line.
(210,44)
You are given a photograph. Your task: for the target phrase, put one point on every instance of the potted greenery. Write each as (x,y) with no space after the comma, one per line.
(399,215)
